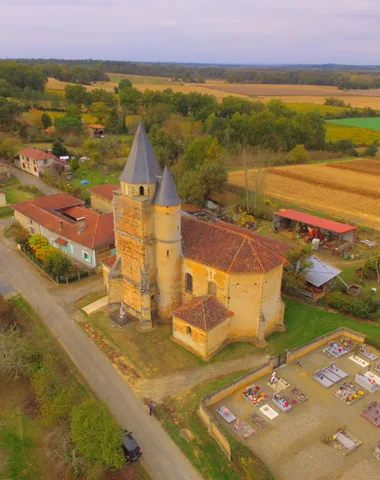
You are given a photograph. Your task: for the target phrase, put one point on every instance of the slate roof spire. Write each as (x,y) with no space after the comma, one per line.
(142,166)
(166,193)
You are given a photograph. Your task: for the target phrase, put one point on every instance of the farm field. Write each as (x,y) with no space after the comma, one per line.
(371,122)
(306,94)
(371,167)
(338,192)
(359,135)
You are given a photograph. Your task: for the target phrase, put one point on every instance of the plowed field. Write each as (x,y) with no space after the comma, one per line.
(348,190)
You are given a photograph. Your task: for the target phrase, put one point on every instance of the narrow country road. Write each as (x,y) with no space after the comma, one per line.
(161,455)
(28,179)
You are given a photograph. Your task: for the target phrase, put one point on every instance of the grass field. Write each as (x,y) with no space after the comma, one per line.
(371,122)
(322,188)
(359,135)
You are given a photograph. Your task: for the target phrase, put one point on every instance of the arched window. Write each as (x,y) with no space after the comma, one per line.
(188,331)
(189,283)
(142,191)
(211,289)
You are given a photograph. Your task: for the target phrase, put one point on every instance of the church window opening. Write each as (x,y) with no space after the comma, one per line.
(188,331)
(189,282)
(211,289)
(167,253)
(142,191)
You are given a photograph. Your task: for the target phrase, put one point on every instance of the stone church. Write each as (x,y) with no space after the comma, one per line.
(215,282)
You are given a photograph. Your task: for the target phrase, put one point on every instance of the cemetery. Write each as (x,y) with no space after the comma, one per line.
(325,403)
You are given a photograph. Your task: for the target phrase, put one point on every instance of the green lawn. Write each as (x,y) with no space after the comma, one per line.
(180,412)
(13,194)
(305,322)
(370,122)
(6,212)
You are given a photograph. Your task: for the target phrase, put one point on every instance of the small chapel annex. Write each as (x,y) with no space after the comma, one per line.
(215,282)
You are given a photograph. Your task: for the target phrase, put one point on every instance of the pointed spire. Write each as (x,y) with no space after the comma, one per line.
(142,166)
(166,194)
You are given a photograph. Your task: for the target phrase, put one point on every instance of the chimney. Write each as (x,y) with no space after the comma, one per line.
(82,225)
(60,225)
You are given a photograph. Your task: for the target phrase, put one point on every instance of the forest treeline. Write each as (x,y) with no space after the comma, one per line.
(87,71)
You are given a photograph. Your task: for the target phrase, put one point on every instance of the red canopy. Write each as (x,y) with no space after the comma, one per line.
(315,221)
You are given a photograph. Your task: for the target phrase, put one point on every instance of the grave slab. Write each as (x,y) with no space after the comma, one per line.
(228,417)
(269,412)
(359,361)
(365,382)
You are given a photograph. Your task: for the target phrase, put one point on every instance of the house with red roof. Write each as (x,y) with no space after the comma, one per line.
(35,161)
(216,283)
(101,197)
(96,130)
(84,235)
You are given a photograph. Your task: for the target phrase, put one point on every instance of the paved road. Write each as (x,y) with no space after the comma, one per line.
(162,456)
(28,179)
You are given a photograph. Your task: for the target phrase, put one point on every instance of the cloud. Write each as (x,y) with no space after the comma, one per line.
(169,24)
(229,31)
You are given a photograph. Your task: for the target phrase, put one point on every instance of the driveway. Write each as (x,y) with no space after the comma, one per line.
(28,179)
(161,455)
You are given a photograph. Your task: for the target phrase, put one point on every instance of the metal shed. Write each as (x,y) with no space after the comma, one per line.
(290,218)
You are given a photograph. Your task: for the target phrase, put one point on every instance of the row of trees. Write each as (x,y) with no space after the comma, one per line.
(344,77)
(81,437)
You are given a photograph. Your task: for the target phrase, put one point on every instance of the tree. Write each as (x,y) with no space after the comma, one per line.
(130,99)
(59,149)
(56,397)
(298,262)
(299,154)
(202,170)
(16,353)
(96,434)
(46,120)
(124,83)
(78,95)
(157,114)
(372,149)
(101,95)
(57,263)
(37,241)
(22,76)
(9,112)
(115,123)
(68,125)
(74,165)
(101,111)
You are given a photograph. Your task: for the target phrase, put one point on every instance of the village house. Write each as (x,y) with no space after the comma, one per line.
(4,172)
(95,130)
(84,235)
(101,197)
(216,283)
(35,161)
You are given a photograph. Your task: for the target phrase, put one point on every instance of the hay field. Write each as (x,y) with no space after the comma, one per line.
(364,165)
(339,192)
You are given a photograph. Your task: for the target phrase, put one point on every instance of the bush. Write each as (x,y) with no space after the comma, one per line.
(57,263)
(96,434)
(367,308)
(299,154)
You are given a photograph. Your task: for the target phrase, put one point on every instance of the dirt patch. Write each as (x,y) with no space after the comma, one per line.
(114,356)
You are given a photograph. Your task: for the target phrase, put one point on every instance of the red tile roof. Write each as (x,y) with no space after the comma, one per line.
(60,241)
(35,153)
(105,190)
(96,125)
(109,261)
(230,248)
(49,130)
(47,211)
(315,221)
(203,312)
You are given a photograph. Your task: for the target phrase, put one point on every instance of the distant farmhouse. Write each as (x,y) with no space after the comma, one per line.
(35,161)
(215,282)
(81,233)
(95,130)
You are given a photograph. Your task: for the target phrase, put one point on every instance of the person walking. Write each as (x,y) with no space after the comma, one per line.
(150,405)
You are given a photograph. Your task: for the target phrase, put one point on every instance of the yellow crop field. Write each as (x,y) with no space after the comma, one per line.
(339,192)
(360,136)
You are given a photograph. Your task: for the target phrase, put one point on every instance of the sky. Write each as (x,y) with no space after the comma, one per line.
(204,31)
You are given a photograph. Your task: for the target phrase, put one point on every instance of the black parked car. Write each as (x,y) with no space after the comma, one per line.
(130,448)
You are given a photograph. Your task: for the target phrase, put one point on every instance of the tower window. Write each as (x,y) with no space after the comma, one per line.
(189,283)
(142,191)
(188,331)
(167,253)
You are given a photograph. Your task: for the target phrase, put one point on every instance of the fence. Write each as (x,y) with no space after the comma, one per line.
(59,279)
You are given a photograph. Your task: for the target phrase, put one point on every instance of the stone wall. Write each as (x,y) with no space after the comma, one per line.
(100,203)
(297,352)
(239,384)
